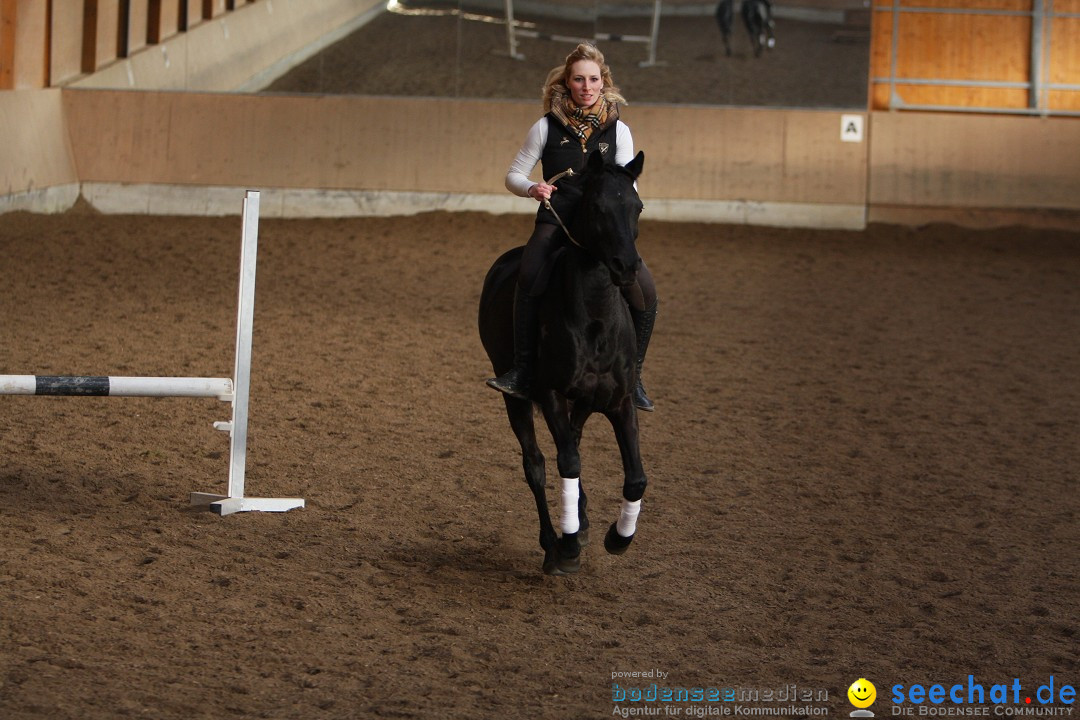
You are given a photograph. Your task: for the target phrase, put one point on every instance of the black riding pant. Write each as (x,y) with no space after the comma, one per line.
(542,244)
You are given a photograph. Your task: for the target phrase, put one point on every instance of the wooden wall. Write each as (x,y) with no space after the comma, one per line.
(37,168)
(23,60)
(1064,56)
(955,40)
(195,153)
(795,165)
(974,169)
(159,44)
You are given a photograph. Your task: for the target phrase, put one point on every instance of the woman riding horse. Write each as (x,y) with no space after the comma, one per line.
(587,350)
(581,104)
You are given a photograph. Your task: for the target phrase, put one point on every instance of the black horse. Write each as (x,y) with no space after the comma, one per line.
(757,17)
(586,358)
(725,18)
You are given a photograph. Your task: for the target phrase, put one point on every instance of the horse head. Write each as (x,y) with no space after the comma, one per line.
(606,222)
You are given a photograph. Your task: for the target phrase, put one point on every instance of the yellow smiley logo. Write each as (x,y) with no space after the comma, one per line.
(862,693)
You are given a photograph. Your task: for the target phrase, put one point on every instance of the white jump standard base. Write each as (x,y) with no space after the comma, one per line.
(224,505)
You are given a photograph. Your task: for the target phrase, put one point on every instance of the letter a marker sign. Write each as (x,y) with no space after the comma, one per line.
(851,128)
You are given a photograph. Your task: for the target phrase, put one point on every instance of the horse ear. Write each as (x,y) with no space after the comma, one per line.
(635,166)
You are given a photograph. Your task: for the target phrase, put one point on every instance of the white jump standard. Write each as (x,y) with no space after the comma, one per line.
(234,390)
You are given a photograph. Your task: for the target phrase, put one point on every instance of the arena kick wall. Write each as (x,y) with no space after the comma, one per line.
(164,152)
(195,153)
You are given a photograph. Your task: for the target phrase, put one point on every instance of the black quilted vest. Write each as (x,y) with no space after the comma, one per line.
(563,150)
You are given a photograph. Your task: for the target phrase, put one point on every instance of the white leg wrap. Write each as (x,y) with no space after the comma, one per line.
(569,505)
(627,524)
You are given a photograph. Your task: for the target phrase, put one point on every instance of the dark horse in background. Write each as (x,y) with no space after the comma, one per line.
(586,358)
(756,15)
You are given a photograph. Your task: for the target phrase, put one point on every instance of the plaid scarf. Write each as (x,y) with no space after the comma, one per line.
(582,121)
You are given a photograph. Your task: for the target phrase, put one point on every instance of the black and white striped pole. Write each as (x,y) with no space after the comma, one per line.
(110,386)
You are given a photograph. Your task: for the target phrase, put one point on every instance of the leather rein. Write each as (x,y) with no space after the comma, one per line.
(568,172)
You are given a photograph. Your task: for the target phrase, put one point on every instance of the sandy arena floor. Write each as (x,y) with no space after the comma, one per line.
(863,464)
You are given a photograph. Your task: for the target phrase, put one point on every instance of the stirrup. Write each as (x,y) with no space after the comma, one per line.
(513,382)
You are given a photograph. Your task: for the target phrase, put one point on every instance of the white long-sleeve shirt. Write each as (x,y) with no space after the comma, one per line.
(527,158)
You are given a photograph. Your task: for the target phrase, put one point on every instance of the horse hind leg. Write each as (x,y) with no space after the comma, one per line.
(621,533)
(532,460)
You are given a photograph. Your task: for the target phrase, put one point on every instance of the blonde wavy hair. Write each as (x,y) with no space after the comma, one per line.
(556,79)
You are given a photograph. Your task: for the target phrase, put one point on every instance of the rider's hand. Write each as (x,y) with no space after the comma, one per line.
(541,191)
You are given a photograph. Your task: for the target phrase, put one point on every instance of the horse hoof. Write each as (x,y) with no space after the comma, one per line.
(615,543)
(551,567)
(562,566)
(583,536)
(568,565)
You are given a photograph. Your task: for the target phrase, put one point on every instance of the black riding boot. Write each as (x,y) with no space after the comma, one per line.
(643,325)
(515,381)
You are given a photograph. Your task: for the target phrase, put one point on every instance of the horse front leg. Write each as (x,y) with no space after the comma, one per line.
(574,520)
(520,413)
(621,533)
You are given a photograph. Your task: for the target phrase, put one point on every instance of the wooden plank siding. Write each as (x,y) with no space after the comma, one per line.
(24,50)
(1064,59)
(975,55)
(54,43)
(7,44)
(101,29)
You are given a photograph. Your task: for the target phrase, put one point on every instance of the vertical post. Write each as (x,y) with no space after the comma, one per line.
(653,37)
(235,501)
(511,35)
(244,321)
(895,101)
(1035,85)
